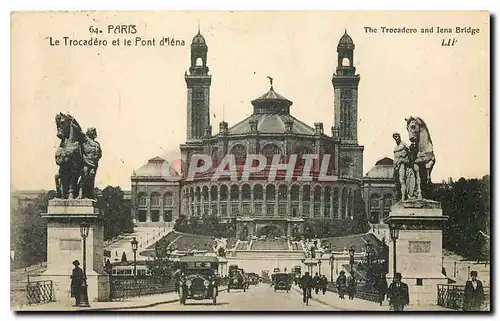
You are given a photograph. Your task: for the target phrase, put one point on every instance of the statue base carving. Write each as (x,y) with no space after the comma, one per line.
(65,244)
(419,247)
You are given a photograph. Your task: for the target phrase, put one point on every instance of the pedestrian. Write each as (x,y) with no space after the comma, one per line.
(76,282)
(306,283)
(398,293)
(473,293)
(351,287)
(316,282)
(324,283)
(341,284)
(382,288)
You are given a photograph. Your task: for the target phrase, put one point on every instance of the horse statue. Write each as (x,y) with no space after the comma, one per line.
(78,155)
(69,156)
(422,157)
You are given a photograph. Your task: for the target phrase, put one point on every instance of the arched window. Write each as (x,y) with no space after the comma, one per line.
(213,191)
(234,192)
(282,192)
(223,192)
(168,199)
(306,193)
(143,199)
(258,192)
(317,194)
(335,202)
(375,204)
(205,193)
(346,62)
(198,194)
(199,62)
(270,192)
(294,193)
(269,151)
(328,193)
(245,192)
(345,201)
(191,194)
(240,154)
(155,200)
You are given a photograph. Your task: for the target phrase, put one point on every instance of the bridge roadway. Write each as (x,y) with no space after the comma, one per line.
(257,297)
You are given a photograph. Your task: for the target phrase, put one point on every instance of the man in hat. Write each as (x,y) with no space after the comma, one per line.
(76,282)
(306,283)
(341,284)
(398,293)
(473,293)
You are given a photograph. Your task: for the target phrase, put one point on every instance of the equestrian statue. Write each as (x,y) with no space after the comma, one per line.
(413,164)
(77,156)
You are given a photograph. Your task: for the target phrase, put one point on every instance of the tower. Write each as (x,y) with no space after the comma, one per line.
(198,91)
(345,86)
(345,83)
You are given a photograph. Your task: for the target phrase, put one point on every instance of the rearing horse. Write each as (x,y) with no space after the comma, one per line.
(68,156)
(422,154)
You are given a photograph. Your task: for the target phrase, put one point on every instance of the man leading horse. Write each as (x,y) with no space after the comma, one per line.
(77,156)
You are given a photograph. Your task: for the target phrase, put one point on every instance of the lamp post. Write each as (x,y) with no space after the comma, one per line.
(134,244)
(351,257)
(319,267)
(84,231)
(394,230)
(331,267)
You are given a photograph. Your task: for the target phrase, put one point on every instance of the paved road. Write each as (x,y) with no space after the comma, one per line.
(260,297)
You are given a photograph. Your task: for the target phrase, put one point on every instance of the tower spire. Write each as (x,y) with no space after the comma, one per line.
(199,26)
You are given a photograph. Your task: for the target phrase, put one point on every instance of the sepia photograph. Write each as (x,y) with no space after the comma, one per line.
(334,161)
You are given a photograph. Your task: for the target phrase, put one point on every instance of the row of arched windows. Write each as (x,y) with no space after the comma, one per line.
(379,206)
(154,198)
(270,191)
(280,199)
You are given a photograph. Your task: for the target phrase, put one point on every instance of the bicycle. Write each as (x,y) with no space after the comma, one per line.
(308,295)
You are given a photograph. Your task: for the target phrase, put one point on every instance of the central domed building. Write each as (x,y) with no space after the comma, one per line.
(256,204)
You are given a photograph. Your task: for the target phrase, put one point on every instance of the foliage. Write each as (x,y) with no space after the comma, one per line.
(116,209)
(209,225)
(318,228)
(162,267)
(467,203)
(29,231)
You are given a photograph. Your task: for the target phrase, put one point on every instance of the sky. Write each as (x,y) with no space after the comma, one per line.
(136,96)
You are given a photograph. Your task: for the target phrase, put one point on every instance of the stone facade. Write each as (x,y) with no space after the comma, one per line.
(270,130)
(154,199)
(64,245)
(419,248)
(379,190)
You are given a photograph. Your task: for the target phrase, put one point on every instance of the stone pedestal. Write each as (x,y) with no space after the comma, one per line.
(419,248)
(65,244)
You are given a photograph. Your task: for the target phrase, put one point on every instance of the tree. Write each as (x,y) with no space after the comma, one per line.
(360,217)
(29,231)
(182,224)
(116,209)
(161,266)
(467,203)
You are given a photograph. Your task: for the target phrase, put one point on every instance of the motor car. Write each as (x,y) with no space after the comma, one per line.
(282,281)
(198,280)
(237,280)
